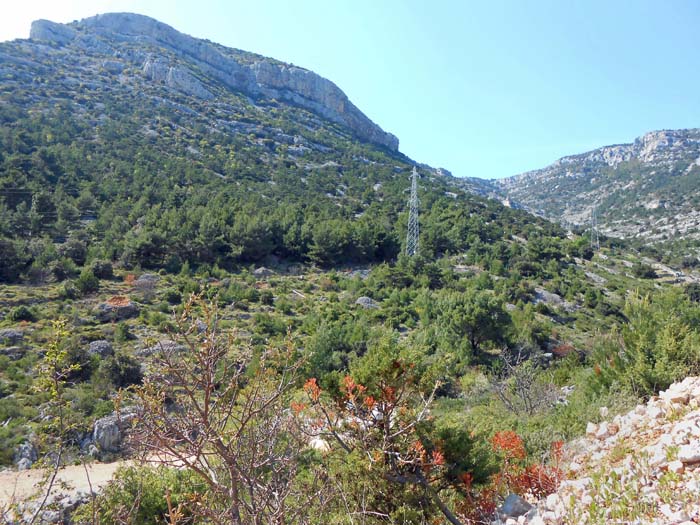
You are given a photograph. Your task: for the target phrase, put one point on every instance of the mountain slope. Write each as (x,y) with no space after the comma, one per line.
(648,189)
(125,140)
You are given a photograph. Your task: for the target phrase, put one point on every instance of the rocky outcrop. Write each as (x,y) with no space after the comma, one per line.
(101,348)
(262,272)
(179,78)
(58,509)
(367,303)
(117,308)
(11,336)
(166,346)
(259,77)
(46,31)
(108,432)
(25,455)
(642,467)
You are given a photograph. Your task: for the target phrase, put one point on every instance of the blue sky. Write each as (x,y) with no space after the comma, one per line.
(484,89)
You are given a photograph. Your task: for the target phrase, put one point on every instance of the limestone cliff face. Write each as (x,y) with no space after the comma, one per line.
(259,76)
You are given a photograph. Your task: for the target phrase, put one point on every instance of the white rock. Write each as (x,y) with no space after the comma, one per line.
(676,467)
(603,412)
(591,429)
(552,501)
(655,412)
(689,453)
(574,467)
(673,516)
(695,393)
(319,444)
(603,431)
(675,394)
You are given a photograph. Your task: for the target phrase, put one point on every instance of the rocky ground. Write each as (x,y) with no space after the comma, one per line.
(642,468)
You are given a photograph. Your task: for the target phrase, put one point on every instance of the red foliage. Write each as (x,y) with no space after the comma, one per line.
(312,389)
(515,476)
(297,408)
(563,349)
(509,444)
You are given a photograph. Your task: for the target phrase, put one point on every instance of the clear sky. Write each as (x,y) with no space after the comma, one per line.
(484,89)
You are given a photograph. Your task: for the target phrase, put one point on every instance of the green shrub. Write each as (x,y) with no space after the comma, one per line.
(172,296)
(22,313)
(102,269)
(87,282)
(266,297)
(138,495)
(643,271)
(119,370)
(122,333)
(659,344)
(69,291)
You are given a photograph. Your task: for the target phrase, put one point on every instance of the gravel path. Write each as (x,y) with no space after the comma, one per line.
(19,485)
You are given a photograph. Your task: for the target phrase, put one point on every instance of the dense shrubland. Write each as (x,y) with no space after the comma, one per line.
(468,346)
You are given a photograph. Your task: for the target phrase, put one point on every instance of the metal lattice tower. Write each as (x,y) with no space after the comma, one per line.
(412,236)
(595,240)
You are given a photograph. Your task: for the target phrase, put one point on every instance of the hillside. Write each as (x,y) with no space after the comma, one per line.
(125,139)
(649,189)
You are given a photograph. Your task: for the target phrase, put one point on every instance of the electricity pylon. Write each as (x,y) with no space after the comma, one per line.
(412,236)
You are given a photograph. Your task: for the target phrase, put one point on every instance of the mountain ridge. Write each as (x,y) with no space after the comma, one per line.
(644,189)
(263,76)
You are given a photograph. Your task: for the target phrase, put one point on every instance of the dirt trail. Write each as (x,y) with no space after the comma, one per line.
(19,485)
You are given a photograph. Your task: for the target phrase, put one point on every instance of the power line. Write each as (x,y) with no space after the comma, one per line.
(413,228)
(595,240)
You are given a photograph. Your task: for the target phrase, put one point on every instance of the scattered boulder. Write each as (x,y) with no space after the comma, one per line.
(117,308)
(108,431)
(13,352)
(263,272)
(367,302)
(11,336)
(23,464)
(320,444)
(162,346)
(675,394)
(689,454)
(113,66)
(25,455)
(147,279)
(514,506)
(552,299)
(102,348)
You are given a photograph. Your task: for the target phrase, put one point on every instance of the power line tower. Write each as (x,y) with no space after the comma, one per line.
(595,239)
(412,236)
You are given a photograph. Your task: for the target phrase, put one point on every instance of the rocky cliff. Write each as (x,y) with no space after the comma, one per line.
(649,188)
(191,58)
